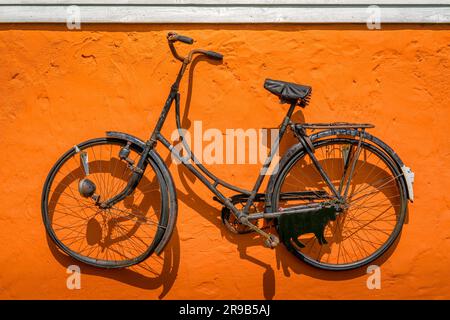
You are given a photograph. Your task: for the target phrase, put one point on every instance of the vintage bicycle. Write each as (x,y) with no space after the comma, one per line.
(337,200)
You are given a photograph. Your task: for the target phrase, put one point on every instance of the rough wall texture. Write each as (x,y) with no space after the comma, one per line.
(61,87)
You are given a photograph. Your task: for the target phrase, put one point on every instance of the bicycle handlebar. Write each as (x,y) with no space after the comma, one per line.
(185,39)
(174,37)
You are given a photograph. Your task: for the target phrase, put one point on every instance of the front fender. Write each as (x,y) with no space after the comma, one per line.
(173,203)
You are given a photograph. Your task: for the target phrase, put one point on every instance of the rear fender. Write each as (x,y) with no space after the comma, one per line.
(407,176)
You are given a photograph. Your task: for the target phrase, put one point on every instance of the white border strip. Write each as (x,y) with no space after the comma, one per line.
(228,2)
(230,11)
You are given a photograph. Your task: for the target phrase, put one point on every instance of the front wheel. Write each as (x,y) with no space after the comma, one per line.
(374,210)
(119,236)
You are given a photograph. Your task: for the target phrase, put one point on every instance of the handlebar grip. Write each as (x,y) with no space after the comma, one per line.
(214,55)
(185,39)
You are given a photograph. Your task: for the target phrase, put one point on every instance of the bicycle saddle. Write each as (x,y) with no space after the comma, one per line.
(287,91)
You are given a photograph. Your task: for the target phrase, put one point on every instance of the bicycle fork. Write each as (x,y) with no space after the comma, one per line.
(136,176)
(139,169)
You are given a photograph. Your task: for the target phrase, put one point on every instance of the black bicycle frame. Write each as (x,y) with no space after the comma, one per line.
(203,173)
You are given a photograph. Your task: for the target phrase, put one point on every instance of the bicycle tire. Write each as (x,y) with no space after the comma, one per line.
(301,154)
(103,263)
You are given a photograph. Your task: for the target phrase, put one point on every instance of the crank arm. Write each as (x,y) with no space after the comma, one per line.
(271,240)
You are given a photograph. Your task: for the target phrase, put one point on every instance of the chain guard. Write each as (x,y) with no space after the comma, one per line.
(230,221)
(232,224)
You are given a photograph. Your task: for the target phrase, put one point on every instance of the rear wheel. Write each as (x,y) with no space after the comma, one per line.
(375,208)
(116,237)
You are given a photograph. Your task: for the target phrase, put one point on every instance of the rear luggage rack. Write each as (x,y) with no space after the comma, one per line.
(334,125)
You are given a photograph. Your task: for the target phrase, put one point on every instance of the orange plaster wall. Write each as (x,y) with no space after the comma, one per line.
(58,88)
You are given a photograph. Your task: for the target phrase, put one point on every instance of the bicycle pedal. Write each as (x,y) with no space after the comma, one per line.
(271,242)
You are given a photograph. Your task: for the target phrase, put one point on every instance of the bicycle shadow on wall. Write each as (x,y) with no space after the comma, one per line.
(286,261)
(158,272)
(118,234)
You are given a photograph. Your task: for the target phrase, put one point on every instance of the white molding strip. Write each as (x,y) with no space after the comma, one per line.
(226,11)
(228,2)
